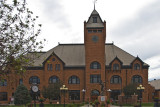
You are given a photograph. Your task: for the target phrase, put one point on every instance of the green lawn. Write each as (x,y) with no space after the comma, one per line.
(48,105)
(143,104)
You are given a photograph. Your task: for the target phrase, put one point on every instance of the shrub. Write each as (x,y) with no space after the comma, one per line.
(22,95)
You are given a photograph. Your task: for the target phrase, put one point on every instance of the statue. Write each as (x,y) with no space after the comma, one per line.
(102,87)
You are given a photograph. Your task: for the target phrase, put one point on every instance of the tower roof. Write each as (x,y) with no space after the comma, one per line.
(94,12)
(94,20)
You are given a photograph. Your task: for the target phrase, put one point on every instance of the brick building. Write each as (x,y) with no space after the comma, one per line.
(83,66)
(156,84)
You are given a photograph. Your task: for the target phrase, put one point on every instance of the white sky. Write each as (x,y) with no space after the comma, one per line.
(133,25)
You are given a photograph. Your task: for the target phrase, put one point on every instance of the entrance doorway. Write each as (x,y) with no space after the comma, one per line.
(94,95)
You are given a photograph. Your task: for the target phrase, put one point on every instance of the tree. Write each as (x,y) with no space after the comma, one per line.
(130,89)
(52,92)
(18,36)
(22,95)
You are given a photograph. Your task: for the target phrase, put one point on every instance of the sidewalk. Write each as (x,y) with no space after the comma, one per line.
(112,106)
(92,106)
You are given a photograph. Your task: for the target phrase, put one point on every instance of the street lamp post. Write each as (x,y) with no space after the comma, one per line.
(64,90)
(109,90)
(83,90)
(34,92)
(141,89)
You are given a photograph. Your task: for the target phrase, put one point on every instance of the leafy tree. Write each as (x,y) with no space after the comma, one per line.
(130,89)
(52,92)
(22,95)
(18,36)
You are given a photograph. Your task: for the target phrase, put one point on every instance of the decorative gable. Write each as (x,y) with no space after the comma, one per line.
(53,62)
(116,64)
(137,63)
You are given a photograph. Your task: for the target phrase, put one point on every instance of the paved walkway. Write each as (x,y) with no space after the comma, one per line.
(115,106)
(92,106)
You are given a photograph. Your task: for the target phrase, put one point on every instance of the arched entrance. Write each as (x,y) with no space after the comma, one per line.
(94,95)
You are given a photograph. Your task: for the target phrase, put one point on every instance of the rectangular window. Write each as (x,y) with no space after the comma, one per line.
(57,67)
(74,94)
(95,78)
(3,96)
(51,67)
(94,31)
(3,82)
(99,31)
(94,19)
(20,81)
(48,67)
(89,31)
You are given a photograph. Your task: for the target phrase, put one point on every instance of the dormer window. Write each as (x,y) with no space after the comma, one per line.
(94,19)
(136,66)
(116,67)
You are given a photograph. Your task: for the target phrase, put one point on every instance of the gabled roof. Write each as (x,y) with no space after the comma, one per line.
(53,54)
(156,84)
(73,55)
(116,58)
(137,58)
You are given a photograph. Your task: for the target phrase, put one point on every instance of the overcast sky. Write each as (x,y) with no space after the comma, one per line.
(133,25)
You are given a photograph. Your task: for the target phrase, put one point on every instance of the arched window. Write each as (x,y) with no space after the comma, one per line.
(115,66)
(95,65)
(136,66)
(115,79)
(3,82)
(34,80)
(53,79)
(136,79)
(74,80)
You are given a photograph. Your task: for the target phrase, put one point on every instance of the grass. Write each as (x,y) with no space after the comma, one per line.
(143,104)
(46,105)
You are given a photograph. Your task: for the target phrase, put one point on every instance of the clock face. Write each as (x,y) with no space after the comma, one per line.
(94,38)
(34,88)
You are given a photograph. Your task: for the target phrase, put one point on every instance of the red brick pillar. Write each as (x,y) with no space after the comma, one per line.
(102,99)
(134,99)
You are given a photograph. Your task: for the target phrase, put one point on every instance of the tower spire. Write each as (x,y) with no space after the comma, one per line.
(94,4)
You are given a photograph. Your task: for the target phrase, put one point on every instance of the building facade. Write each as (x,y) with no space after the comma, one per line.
(83,67)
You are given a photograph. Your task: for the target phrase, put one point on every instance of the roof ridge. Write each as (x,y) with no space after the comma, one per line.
(82,44)
(38,52)
(72,44)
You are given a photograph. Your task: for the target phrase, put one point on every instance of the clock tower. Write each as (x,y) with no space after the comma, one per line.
(94,40)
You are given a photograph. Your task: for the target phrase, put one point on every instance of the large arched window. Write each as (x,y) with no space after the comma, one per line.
(95,65)
(136,66)
(3,82)
(136,79)
(53,79)
(115,66)
(34,80)
(115,79)
(74,80)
